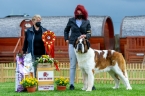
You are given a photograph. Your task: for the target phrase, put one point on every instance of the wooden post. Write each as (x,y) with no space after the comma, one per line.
(1,74)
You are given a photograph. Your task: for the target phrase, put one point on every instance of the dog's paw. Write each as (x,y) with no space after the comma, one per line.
(89,89)
(115,87)
(129,88)
(84,88)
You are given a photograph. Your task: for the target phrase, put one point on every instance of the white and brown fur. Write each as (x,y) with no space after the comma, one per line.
(95,61)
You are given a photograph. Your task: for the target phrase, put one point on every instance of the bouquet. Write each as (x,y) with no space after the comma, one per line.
(61,81)
(46,59)
(29,82)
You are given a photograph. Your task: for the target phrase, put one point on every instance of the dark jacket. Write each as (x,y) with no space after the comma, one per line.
(29,40)
(76,31)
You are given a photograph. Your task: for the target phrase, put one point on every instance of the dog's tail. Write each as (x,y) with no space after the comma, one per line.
(123,65)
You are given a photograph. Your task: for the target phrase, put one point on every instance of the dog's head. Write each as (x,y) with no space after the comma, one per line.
(81,45)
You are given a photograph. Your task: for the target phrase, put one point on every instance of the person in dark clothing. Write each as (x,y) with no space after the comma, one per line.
(80,28)
(33,40)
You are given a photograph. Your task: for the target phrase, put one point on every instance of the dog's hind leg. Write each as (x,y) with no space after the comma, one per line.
(116,79)
(123,77)
(125,81)
(85,80)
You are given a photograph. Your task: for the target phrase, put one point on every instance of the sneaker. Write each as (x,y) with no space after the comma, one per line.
(71,87)
(93,88)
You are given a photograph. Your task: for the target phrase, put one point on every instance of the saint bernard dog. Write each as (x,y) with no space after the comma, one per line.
(92,61)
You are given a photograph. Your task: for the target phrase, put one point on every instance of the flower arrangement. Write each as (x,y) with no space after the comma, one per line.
(45,59)
(29,82)
(61,81)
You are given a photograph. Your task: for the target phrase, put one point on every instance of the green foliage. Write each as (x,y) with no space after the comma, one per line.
(62,81)
(29,82)
(45,59)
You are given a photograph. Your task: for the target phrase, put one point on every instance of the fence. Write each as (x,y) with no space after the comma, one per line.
(135,73)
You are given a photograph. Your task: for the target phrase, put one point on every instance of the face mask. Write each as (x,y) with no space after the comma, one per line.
(38,24)
(79,16)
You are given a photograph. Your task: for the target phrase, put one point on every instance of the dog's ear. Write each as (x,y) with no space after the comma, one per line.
(88,43)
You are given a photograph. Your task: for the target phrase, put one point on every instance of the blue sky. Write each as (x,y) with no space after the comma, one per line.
(116,9)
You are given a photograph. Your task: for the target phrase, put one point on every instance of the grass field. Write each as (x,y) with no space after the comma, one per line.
(8,89)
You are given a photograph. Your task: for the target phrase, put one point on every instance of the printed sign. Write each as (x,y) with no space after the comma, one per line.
(46,87)
(45,76)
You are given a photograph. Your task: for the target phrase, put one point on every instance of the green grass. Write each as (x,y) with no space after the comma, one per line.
(8,89)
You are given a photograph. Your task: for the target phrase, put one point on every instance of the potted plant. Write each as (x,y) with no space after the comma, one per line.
(61,83)
(30,84)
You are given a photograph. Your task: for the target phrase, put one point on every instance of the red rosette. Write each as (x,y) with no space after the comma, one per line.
(48,37)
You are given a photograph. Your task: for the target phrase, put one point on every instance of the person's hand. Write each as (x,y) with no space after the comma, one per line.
(82,36)
(67,41)
(24,53)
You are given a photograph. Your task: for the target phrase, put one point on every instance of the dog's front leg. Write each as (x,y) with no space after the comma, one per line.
(90,80)
(85,80)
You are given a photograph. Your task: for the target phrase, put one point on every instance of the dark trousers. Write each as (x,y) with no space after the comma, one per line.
(35,67)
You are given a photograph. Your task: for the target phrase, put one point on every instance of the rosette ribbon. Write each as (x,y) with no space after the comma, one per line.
(48,38)
(56,65)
